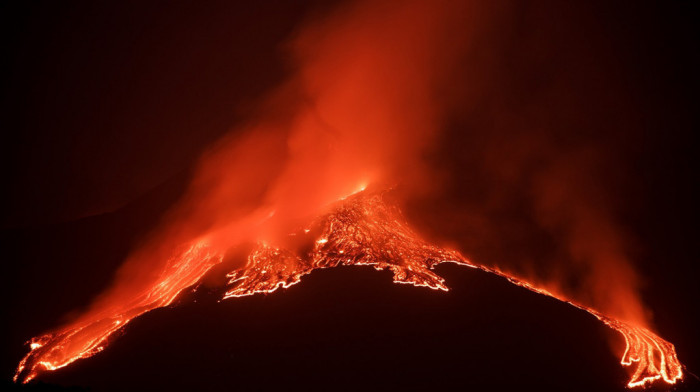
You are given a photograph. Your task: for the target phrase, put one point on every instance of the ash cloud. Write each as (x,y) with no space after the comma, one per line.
(506,145)
(537,160)
(363,104)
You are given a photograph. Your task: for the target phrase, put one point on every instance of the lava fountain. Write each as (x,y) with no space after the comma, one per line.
(367,100)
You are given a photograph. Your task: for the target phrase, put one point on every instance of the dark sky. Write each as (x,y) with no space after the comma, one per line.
(106,102)
(105,107)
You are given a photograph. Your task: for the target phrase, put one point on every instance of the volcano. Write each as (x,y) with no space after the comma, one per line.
(371,194)
(361,230)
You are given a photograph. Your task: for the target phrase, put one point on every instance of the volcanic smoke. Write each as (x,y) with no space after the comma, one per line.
(368,98)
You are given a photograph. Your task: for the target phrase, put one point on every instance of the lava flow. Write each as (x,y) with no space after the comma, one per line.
(360,230)
(88,336)
(373,91)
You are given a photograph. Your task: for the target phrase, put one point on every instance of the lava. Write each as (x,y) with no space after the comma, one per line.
(655,358)
(360,230)
(86,337)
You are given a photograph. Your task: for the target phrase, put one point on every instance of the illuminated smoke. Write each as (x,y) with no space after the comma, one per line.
(361,107)
(542,138)
(370,91)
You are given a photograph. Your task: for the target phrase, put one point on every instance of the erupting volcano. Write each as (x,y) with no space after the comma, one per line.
(386,105)
(361,230)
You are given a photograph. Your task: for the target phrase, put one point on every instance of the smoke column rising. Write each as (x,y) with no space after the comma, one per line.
(361,107)
(372,87)
(538,145)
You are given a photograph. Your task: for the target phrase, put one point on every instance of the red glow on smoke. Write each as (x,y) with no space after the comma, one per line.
(367,100)
(362,230)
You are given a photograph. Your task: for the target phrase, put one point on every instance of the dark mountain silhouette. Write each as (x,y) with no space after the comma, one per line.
(345,328)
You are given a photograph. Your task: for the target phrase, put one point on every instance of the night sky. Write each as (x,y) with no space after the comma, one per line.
(105,109)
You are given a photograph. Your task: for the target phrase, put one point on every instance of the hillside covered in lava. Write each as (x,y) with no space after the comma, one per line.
(349,194)
(350,327)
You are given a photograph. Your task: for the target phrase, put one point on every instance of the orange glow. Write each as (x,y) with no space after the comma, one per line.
(361,230)
(369,93)
(654,357)
(364,230)
(89,335)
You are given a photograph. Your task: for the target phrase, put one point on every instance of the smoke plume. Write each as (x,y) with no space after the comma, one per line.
(408,93)
(362,107)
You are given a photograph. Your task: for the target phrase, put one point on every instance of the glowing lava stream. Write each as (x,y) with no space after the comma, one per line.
(361,230)
(88,336)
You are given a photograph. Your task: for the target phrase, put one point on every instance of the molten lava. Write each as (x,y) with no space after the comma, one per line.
(88,336)
(360,230)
